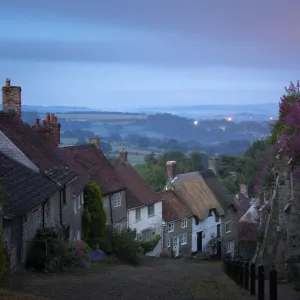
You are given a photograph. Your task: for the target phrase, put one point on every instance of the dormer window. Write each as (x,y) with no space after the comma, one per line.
(210,213)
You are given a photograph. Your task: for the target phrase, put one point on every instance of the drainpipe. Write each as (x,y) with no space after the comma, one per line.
(111,214)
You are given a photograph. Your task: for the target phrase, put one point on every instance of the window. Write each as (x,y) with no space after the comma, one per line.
(81,199)
(196,221)
(228,227)
(183,239)
(150,210)
(171,227)
(217,219)
(169,243)
(75,204)
(137,214)
(146,235)
(184,223)
(78,235)
(210,213)
(78,200)
(62,195)
(230,247)
(116,198)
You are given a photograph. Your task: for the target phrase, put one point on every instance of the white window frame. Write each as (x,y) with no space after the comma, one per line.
(229,229)
(169,243)
(117,199)
(183,239)
(81,199)
(75,204)
(136,214)
(149,236)
(229,247)
(171,227)
(184,223)
(151,214)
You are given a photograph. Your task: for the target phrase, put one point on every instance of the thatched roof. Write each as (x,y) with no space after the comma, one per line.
(194,193)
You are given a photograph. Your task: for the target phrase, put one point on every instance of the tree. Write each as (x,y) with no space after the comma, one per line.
(93,203)
(86,224)
(194,161)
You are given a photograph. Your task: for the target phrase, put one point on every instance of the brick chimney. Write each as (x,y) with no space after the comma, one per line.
(213,164)
(123,156)
(11,98)
(244,189)
(95,141)
(50,129)
(171,169)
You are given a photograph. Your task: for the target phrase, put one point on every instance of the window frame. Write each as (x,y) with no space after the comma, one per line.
(149,235)
(169,243)
(117,199)
(149,212)
(229,247)
(138,214)
(229,224)
(170,224)
(183,239)
(184,223)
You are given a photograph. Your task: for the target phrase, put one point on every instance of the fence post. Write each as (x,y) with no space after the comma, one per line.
(261,282)
(241,271)
(252,279)
(273,284)
(246,276)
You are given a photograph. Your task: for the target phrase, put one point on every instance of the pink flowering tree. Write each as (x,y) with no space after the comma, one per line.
(285,137)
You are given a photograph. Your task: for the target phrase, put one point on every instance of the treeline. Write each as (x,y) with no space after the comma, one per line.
(233,170)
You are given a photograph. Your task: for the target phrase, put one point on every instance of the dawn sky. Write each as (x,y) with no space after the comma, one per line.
(119,54)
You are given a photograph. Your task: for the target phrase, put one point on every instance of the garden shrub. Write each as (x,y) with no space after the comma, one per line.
(122,244)
(47,249)
(94,218)
(149,245)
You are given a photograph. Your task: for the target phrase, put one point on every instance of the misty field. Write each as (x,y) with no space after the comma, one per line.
(98,117)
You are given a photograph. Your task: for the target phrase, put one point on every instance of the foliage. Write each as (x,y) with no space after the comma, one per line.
(80,251)
(93,203)
(86,224)
(121,243)
(149,245)
(46,247)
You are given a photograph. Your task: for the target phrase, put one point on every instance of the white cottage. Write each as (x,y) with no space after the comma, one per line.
(144,206)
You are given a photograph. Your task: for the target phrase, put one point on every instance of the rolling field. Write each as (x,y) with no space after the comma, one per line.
(101,117)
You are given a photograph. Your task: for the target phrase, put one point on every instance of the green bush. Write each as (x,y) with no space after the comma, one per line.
(149,245)
(94,222)
(122,244)
(47,251)
(86,224)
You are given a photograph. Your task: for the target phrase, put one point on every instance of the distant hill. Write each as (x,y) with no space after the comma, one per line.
(53,109)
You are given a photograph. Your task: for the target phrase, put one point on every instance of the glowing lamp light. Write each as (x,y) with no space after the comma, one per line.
(271,118)
(195,122)
(229,119)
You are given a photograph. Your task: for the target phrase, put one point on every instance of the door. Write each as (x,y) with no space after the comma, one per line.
(176,246)
(199,241)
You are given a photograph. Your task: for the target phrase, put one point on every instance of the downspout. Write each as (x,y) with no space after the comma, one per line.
(111,214)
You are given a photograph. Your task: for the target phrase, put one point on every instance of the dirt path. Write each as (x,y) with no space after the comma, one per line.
(153,279)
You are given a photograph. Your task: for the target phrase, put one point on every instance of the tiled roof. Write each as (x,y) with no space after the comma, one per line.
(173,209)
(99,168)
(193,192)
(23,187)
(138,192)
(48,158)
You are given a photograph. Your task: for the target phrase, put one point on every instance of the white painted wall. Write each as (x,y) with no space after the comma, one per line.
(209,228)
(145,222)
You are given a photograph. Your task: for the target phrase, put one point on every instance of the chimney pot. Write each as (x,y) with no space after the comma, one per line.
(213,164)
(52,118)
(171,169)
(55,119)
(37,122)
(123,156)
(44,123)
(95,141)
(48,117)
(7,82)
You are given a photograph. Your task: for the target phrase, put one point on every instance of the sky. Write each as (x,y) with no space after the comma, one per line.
(124,54)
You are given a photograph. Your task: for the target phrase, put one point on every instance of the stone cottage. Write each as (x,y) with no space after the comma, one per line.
(92,159)
(177,227)
(27,206)
(144,206)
